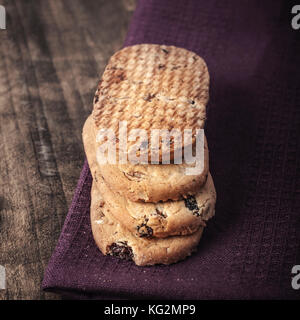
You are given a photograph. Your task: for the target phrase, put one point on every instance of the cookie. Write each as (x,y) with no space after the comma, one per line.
(147,183)
(153,87)
(113,239)
(146,219)
(162,219)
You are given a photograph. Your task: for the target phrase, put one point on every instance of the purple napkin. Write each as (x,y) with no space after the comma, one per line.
(249,248)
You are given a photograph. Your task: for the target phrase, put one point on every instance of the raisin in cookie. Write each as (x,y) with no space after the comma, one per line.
(147,183)
(113,239)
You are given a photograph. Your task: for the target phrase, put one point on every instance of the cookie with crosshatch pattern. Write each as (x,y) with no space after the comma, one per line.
(153,87)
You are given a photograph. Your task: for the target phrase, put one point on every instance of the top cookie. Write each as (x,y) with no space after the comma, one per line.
(153,87)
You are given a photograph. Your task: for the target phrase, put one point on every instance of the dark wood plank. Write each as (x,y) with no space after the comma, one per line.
(51,57)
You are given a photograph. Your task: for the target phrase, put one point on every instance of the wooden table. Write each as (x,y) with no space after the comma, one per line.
(52,55)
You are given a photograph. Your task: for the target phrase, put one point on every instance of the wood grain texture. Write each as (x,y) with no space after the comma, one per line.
(51,57)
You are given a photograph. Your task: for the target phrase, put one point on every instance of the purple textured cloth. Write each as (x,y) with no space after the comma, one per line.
(249,248)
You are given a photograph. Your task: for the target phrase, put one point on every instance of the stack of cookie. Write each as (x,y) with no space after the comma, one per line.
(150,212)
